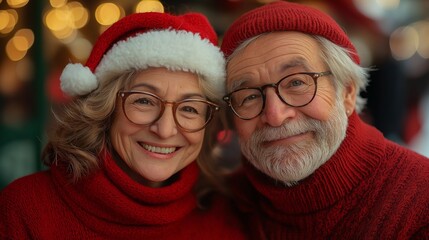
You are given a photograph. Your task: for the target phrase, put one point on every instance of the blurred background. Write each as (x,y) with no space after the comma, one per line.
(39,37)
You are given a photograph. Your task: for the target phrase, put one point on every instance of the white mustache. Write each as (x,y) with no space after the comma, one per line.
(286,130)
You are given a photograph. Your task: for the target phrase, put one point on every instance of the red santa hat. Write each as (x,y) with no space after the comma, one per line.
(286,16)
(187,43)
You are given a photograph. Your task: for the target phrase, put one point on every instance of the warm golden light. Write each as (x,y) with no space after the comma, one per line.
(53,20)
(4,19)
(79,14)
(10,21)
(23,39)
(66,34)
(57,3)
(17,3)
(12,52)
(59,25)
(64,21)
(149,6)
(63,14)
(20,43)
(107,13)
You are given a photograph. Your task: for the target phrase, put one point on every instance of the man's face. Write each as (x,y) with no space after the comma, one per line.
(288,143)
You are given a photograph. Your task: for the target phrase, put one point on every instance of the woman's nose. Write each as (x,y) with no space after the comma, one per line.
(165,126)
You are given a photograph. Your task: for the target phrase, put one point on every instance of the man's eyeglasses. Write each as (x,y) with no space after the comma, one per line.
(190,115)
(296,90)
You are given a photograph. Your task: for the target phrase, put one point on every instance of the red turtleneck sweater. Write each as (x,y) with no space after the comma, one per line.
(110,205)
(370,189)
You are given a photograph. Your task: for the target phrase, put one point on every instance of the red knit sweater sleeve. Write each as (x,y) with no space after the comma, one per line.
(19,207)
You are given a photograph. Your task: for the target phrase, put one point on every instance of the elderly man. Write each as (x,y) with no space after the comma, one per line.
(314,169)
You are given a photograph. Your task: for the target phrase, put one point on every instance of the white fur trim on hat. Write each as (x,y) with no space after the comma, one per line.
(175,50)
(172,49)
(77,80)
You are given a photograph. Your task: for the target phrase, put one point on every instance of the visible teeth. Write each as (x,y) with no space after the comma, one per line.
(163,150)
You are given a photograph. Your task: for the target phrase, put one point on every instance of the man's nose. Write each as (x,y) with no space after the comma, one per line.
(276,112)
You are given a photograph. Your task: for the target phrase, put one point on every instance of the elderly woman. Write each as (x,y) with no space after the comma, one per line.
(131,155)
(315,170)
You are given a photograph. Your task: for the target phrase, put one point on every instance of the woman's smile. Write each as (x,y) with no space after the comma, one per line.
(157,149)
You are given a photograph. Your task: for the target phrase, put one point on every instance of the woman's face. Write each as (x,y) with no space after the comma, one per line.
(153,153)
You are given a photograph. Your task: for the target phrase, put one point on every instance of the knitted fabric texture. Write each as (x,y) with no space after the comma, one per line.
(110,205)
(285,16)
(370,189)
(187,42)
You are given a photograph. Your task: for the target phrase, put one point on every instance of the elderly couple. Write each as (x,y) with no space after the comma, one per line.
(131,156)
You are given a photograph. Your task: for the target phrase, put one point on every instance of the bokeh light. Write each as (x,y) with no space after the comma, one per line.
(57,3)
(404,42)
(149,6)
(422,28)
(4,19)
(14,53)
(58,21)
(17,3)
(64,21)
(79,14)
(23,39)
(9,19)
(108,13)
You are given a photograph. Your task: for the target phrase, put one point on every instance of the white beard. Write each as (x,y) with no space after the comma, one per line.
(292,163)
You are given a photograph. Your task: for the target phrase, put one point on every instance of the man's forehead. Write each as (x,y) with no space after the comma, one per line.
(247,77)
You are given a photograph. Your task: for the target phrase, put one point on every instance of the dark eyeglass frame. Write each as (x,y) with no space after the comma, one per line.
(313,75)
(123,95)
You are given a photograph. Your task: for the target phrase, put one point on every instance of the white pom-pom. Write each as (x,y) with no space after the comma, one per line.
(77,79)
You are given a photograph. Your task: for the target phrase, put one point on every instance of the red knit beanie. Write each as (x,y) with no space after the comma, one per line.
(285,16)
(141,40)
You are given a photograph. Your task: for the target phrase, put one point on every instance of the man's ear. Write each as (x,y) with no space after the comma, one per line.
(349,97)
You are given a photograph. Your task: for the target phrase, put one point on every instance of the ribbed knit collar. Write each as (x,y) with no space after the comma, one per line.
(358,155)
(109,196)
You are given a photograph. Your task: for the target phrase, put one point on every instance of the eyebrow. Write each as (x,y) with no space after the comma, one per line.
(237,84)
(295,62)
(145,85)
(156,90)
